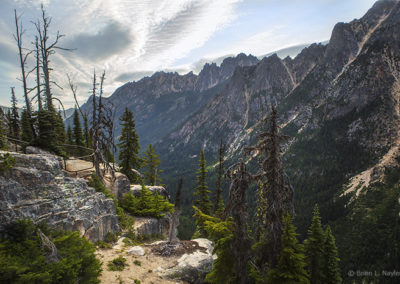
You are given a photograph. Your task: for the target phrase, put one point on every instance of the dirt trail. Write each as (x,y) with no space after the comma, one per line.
(146,272)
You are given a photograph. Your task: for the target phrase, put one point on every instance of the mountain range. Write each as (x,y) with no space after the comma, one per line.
(338,102)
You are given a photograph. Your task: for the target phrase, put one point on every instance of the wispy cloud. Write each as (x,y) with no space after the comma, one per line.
(132,39)
(112,39)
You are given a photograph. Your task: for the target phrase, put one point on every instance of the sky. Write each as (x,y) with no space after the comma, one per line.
(130,39)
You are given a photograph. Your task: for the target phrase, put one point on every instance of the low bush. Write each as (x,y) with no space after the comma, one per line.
(147,204)
(24,258)
(117,264)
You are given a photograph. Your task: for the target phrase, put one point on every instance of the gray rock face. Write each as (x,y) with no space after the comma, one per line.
(145,226)
(36,188)
(195,266)
(120,185)
(136,188)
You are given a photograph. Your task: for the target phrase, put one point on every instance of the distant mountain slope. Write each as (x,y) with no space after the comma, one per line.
(339,102)
(164,100)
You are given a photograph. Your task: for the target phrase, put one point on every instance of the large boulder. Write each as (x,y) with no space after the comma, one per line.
(195,266)
(136,188)
(145,226)
(36,188)
(119,184)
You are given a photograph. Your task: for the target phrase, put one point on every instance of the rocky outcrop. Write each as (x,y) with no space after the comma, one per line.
(36,188)
(119,184)
(193,267)
(136,188)
(145,226)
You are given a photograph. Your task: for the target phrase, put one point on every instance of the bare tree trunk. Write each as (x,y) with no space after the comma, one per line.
(47,49)
(237,208)
(22,59)
(39,98)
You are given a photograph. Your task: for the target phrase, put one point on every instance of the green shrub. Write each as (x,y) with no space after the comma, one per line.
(147,204)
(24,259)
(103,245)
(6,162)
(117,264)
(137,262)
(110,238)
(125,221)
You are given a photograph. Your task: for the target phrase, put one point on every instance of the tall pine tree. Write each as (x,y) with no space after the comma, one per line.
(14,117)
(219,201)
(26,130)
(77,130)
(314,249)
(129,147)
(86,133)
(150,164)
(331,259)
(70,139)
(2,131)
(202,193)
(291,263)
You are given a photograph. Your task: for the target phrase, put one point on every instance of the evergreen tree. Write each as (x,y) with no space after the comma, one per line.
(60,129)
(147,204)
(48,132)
(129,147)
(275,195)
(77,130)
(70,139)
(291,264)
(86,134)
(9,125)
(314,249)
(2,131)
(150,165)
(26,130)
(14,117)
(331,271)
(202,193)
(219,202)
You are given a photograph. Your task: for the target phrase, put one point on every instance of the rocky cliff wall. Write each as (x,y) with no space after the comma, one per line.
(36,188)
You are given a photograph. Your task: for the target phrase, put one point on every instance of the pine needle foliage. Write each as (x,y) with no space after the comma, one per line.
(23,258)
(331,271)
(14,117)
(314,249)
(219,207)
(70,139)
(148,204)
(129,147)
(48,125)
(77,130)
(291,263)
(150,166)
(26,129)
(221,232)
(202,193)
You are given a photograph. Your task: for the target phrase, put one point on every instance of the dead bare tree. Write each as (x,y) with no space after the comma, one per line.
(37,69)
(237,208)
(173,226)
(22,59)
(275,196)
(102,130)
(46,50)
